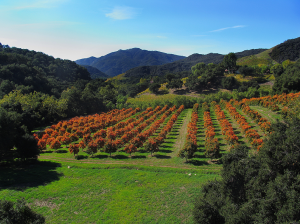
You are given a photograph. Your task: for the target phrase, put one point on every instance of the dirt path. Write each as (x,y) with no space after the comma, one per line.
(179,143)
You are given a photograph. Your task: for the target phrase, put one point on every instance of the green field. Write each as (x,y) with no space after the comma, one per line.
(120,189)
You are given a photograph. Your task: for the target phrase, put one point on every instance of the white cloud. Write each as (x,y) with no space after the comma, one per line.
(226,28)
(122,12)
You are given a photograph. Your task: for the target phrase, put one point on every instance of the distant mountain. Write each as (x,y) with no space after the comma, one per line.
(95,73)
(289,49)
(121,61)
(185,64)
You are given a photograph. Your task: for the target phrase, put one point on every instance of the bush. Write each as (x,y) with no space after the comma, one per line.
(289,80)
(154,87)
(228,82)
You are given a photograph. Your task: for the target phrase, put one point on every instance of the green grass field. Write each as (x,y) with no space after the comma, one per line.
(119,189)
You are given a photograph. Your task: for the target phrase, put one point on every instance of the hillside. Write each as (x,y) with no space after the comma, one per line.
(262,58)
(30,71)
(185,64)
(95,73)
(289,49)
(120,61)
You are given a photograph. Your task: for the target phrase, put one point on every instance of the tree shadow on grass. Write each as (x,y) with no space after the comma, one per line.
(120,157)
(166,150)
(162,157)
(21,178)
(171,137)
(200,156)
(61,151)
(138,157)
(47,151)
(197,162)
(79,157)
(181,91)
(100,156)
(166,141)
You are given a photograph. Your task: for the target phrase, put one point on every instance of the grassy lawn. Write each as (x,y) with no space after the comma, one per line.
(97,193)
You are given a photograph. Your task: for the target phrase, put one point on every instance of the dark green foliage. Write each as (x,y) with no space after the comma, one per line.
(228,82)
(289,80)
(192,82)
(204,77)
(175,84)
(207,211)
(198,69)
(245,85)
(6,86)
(95,73)
(283,148)
(229,61)
(9,130)
(257,189)
(154,87)
(170,77)
(15,142)
(39,71)
(18,213)
(289,49)
(26,146)
(247,71)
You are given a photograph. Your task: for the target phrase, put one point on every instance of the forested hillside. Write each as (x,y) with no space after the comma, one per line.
(29,71)
(120,61)
(95,73)
(185,64)
(289,49)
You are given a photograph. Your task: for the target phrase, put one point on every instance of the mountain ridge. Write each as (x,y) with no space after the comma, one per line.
(185,64)
(121,61)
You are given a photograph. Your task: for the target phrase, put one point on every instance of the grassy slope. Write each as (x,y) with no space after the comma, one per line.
(261,58)
(120,189)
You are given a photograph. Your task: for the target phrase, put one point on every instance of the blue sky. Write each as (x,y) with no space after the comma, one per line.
(75,29)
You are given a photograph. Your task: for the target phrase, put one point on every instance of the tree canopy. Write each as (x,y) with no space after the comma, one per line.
(256,189)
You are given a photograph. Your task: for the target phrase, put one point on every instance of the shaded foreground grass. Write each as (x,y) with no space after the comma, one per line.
(97,193)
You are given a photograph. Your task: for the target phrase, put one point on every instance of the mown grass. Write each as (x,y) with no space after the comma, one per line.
(267,113)
(96,193)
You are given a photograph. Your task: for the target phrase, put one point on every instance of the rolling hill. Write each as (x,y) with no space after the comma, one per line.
(95,73)
(289,49)
(120,61)
(185,64)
